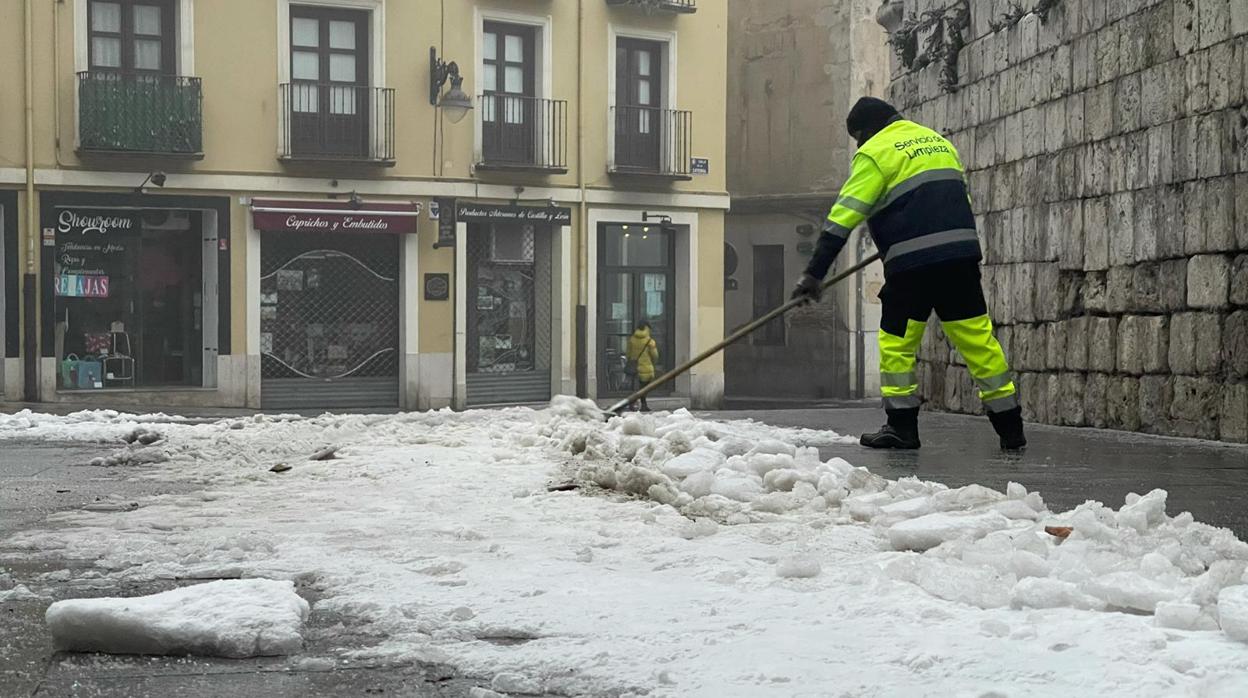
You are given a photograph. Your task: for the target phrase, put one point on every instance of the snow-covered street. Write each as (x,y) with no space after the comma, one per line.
(693,557)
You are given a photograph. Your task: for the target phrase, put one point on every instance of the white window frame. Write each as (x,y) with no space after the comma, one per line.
(544,84)
(669,95)
(376,45)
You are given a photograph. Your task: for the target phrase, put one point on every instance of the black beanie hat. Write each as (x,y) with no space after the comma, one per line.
(869,115)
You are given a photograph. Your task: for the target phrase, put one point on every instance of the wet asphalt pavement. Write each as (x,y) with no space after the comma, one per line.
(1066,465)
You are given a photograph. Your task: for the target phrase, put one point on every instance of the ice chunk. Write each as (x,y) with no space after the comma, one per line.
(931,530)
(1042,592)
(1233,612)
(763,463)
(1130,590)
(969,585)
(777,502)
(698,484)
(798,567)
(231,618)
(1221,574)
(967,497)
(1183,616)
(774,447)
(908,508)
(575,407)
(785,479)
(742,489)
(509,682)
(1016,509)
(1143,513)
(694,461)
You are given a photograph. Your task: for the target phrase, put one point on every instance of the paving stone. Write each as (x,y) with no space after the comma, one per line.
(1208,281)
(1195,408)
(1195,343)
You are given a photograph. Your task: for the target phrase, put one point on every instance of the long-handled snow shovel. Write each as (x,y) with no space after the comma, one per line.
(732,338)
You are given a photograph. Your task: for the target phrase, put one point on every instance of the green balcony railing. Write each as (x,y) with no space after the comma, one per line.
(152,114)
(679,6)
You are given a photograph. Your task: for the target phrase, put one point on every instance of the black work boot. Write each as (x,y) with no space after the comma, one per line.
(902,431)
(1009,426)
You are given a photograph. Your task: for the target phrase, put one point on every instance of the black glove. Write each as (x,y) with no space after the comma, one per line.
(807,287)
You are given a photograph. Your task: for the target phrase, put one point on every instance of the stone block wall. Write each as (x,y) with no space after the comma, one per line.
(1108,147)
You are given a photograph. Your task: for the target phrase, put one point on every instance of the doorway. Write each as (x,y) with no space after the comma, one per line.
(638,104)
(636,283)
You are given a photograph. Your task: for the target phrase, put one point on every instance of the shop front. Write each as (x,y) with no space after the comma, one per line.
(131,297)
(513,296)
(330,312)
(636,287)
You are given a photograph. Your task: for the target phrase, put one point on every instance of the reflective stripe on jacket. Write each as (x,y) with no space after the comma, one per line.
(908,183)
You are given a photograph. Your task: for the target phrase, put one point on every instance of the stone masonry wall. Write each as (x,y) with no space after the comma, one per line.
(1108,147)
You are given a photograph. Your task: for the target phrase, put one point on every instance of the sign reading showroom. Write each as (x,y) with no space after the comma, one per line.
(101,221)
(489,213)
(333,217)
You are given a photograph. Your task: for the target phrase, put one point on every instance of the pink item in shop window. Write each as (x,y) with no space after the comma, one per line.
(97,343)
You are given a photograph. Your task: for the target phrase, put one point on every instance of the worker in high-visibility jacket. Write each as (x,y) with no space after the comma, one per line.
(908,183)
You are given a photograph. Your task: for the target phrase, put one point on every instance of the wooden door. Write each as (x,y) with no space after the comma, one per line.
(638,97)
(329,96)
(508,110)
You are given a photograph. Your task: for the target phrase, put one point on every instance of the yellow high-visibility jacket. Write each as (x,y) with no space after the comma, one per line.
(908,183)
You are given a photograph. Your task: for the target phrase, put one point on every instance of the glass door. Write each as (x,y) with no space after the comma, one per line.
(509,83)
(636,284)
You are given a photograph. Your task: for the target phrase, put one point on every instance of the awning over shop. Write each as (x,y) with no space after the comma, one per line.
(280,216)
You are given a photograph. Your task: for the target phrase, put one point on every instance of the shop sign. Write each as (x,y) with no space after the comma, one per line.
(446,222)
(470,212)
(700,166)
(81,285)
(437,287)
(333,217)
(97,221)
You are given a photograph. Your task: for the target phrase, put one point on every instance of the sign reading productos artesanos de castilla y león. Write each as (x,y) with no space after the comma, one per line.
(96,221)
(471,212)
(333,217)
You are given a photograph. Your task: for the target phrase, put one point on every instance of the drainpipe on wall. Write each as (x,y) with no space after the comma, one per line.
(29,308)
(582,313)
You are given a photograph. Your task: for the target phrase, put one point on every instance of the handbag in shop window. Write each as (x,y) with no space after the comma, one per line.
(69,371)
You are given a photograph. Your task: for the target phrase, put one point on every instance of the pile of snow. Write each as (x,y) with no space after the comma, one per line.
(778,572)
(229,618)
(979,547)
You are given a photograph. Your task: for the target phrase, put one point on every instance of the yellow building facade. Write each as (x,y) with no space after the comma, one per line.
(358,203)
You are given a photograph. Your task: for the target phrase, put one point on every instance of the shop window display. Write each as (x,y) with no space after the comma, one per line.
(129,294)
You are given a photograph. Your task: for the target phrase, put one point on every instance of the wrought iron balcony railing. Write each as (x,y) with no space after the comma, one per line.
(653,141)
(141,114)
(324,121)
(682,6)
(523,133)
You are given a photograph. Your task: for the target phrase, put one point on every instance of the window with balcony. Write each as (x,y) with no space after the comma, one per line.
(650,139)
(330,109)
(519,129)
(131,99)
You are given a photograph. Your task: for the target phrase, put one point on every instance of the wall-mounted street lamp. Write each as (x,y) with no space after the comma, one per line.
(455,103)
(156,178)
